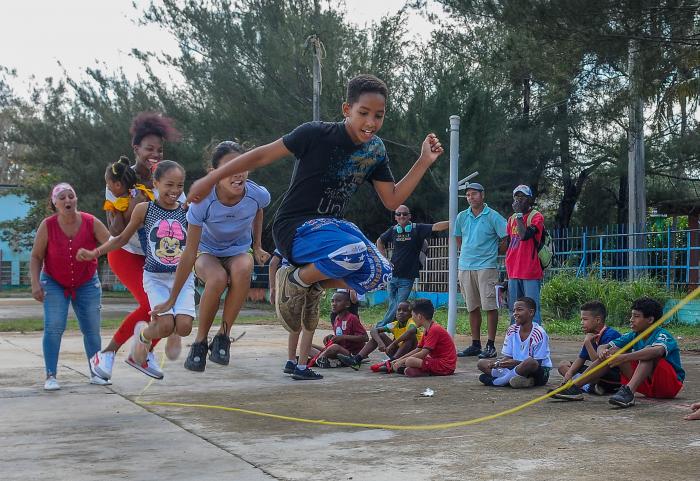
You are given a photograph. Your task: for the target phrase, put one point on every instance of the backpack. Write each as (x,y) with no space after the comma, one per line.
(545,247)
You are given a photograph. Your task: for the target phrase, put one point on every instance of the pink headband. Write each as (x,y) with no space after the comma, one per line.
(60,188)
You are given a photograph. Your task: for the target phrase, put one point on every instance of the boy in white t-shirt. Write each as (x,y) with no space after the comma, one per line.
(525,361)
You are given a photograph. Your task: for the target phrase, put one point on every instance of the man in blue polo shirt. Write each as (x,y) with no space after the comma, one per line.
(479,231)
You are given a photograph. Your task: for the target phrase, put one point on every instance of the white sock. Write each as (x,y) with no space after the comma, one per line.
(297,279)
(301,367)
(503,380)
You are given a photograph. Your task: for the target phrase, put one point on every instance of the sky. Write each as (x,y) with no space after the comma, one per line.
(42,38)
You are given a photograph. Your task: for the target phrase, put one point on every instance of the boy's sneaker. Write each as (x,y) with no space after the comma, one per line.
(305,375)
(97,380)
(486,379)
(197,358)
(289,299)
(323,362)
(289,367)
(220,349)
(624,397)
(312,305)
(150,368)
(101,364)
(470,351)
(572,393)
(488,352)
(173,347)
(383,367)
(139,348)
(51,384)
(519,382)
(350,361)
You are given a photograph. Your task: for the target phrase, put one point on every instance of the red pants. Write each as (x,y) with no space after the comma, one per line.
(128,268)
(663,384)
(431,367)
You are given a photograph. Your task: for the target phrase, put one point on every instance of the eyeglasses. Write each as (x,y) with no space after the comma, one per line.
(402,214)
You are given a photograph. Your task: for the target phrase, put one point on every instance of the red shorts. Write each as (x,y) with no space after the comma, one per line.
(437,367)
(663,384)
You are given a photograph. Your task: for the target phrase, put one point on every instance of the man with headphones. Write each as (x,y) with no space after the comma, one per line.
(407,238)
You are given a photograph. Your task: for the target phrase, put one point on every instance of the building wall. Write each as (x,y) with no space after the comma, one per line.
(14,265)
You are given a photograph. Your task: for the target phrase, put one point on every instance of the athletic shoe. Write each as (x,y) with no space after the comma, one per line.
(488,352)
(101,364)
(312,305)
(150,369)
(305,375)
(486,379)
(470,351)
(51,384)
(153,366)
(624,397)
(197,358)
(604,388)
(290,298)
(519,382)
(323,362)
(95,379)
(139,348)
(173,347)
(572,393)
(383,367)
(350,361)
(220,349)
(289,367)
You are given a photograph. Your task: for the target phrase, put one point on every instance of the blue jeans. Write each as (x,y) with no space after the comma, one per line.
(524,288)
(398,291)
(87,307)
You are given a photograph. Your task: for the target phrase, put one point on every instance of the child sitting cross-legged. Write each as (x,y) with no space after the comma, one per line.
(436,354)
(349,335)
(405,337)
(653,364)
(593,316)
(525,361)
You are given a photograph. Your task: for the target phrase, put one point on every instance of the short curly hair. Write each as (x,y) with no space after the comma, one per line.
(648,307)
(365,83)
(153,123)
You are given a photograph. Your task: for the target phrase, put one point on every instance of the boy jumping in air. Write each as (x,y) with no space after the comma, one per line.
(332,161)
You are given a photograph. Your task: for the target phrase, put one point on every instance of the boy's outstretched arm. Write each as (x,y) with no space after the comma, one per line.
(393,195)
(258,157)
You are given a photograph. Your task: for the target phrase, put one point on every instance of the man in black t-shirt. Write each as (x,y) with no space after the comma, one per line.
(407,238)
(332,161)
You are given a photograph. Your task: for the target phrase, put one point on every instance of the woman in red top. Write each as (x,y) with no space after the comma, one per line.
(59,279)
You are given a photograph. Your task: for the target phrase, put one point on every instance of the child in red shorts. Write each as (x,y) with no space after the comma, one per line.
(436,354)
(653,365)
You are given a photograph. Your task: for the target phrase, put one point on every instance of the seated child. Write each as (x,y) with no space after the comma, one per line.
(593,315)
(525,361)
(349,335)
(653,365)
(436,354)
(404,333)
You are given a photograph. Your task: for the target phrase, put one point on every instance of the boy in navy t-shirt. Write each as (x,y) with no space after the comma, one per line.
(593,315)
(332,160)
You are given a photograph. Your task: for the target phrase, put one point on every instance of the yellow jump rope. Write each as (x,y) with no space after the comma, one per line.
(430,427)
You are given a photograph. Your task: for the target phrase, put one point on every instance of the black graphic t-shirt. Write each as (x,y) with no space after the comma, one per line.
(407,247)
(328,170)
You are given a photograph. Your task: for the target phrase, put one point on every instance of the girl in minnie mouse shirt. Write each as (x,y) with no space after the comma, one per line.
(162,229)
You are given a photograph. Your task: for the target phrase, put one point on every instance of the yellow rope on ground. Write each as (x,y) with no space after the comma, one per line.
(432,427)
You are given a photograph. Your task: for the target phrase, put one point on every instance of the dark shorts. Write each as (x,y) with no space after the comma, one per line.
(610,377)
(541,376)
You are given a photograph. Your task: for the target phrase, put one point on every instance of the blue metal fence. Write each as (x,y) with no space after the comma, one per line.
(669,256)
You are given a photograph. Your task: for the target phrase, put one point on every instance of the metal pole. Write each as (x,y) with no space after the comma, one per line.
(452,251)
(315,43)
(635,165)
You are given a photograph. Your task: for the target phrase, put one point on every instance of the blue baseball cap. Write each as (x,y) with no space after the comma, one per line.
(523,189)
(474,186)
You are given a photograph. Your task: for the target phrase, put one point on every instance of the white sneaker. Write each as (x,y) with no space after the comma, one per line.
(51,384)
(153,367)
(173,347)
(95,379)
(139,349)
(519,382)
(101,364)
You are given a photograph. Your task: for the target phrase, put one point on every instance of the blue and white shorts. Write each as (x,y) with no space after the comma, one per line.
(341,251)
